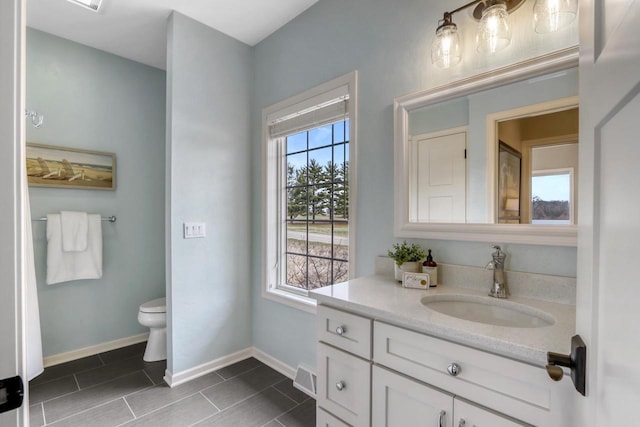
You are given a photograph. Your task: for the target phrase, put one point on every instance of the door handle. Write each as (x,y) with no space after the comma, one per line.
(11,393)
(442,419)
(576,361)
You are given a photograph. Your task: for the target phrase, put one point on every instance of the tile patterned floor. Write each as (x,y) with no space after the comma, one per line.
(117,388)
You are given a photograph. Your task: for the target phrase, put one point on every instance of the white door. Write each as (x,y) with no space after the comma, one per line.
(397,401)
(441,179)
(11,134)
(609,214)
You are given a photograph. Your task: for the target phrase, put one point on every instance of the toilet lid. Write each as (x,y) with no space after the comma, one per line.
(155,306)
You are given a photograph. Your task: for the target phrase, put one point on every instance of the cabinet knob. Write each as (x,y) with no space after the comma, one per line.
(454,369)
(462,423)
(340,330)
(340,385)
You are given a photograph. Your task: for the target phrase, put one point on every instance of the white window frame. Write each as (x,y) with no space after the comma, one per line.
(273,186)
(560,171)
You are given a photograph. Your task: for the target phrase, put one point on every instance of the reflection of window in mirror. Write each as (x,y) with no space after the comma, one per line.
(549,146)
(551,196)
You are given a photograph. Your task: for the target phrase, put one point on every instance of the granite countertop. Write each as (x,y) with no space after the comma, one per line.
(384,299)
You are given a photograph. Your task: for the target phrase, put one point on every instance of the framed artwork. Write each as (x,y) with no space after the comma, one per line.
(509,168)
(63,167)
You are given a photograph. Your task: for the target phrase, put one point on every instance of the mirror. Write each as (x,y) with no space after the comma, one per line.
(493,157)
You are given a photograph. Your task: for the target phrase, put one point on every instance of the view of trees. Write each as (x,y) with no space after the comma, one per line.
(315,190)
(550,209)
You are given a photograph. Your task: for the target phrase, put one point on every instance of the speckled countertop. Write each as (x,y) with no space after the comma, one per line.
(382,298)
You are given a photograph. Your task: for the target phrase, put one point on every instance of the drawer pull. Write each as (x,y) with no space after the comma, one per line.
(340,330)
(454,369)
(462,423)
(340,385)
(442,420)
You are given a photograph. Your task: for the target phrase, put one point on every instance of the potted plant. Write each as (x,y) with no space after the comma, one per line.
(407,257)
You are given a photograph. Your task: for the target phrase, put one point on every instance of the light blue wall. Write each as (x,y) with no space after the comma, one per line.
(388,42)
(209,87)
(95,100)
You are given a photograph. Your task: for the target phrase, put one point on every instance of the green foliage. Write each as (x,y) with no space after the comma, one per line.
(316,190)
(403,252)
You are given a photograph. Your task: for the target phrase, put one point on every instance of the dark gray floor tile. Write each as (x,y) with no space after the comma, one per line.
(107,415)
(255,411)
(82,400)
(239,388)
(287,388)
(239,368)
(123,353)
(156,371)
(183,413)
(110,371)
(156,397)
(49,390)
(66,369)
(36,416)
(303,415)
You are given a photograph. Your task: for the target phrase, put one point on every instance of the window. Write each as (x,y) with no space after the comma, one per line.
(551,196)
(308,220)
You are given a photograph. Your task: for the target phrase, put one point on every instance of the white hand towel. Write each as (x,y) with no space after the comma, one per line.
(65,266)
(75,229)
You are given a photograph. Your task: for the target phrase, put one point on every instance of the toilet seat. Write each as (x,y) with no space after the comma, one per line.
(154,306)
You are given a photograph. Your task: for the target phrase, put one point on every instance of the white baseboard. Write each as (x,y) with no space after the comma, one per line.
(56,359)
(274,363)
(198,371)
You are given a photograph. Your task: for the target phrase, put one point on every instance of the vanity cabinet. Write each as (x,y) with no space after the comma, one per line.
(401,401)
(374,373)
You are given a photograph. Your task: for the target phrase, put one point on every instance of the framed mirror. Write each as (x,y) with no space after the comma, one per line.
(493,157)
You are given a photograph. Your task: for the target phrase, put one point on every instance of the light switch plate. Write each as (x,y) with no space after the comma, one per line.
(194,230)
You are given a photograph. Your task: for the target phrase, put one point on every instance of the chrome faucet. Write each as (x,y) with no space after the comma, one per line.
(499,288)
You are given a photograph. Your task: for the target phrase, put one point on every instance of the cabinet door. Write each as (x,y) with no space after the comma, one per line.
(400,402)
(468,415)
(325,419)
(344,383)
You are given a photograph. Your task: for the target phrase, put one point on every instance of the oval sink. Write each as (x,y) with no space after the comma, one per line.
(488,310)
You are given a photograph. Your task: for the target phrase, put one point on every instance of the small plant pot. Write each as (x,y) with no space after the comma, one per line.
(409,267)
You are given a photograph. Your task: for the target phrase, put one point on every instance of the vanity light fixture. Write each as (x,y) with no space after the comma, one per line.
(494,29)
(93,5)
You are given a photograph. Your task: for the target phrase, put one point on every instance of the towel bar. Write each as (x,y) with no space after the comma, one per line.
(111,218)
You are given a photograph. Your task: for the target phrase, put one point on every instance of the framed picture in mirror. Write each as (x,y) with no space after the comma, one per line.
(509,168)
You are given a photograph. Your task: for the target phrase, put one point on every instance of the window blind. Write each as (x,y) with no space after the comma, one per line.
(310,118)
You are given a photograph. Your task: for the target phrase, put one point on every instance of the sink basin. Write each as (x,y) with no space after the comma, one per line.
(488,310)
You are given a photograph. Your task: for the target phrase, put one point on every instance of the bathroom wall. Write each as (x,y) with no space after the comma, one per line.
(389,43)
(209,87)
(94,100)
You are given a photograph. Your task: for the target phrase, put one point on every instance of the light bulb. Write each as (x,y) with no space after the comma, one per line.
(553,15)
(445,50)
(494,31)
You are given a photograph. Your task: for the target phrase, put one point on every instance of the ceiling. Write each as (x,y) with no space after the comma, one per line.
(136,29)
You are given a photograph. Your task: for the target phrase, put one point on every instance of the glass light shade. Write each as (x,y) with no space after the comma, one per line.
(494,31)
(553,15)
(445,50)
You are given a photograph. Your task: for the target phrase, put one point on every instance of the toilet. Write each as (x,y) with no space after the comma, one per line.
(153,315)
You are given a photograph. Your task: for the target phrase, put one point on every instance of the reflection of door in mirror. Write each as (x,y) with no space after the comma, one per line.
(438,173)
(549,146)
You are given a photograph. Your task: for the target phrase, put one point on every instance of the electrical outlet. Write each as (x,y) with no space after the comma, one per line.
(194,230)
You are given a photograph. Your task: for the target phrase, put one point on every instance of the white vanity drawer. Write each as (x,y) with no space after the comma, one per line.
(518,389)
(347,331)
(344,385)
(325,419)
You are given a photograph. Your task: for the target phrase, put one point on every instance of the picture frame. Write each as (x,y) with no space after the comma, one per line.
(509,184)
(65,167)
